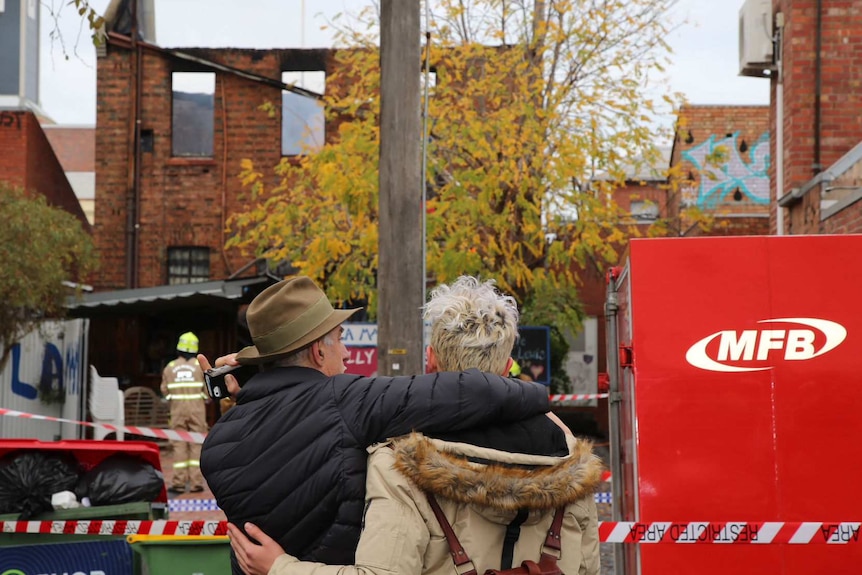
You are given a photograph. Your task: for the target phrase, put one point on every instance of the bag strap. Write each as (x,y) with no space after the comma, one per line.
(513,532)
(552,541)
(459,556)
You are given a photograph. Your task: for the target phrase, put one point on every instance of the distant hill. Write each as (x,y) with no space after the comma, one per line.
(193,124)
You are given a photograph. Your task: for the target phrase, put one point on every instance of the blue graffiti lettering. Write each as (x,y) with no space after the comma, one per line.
(52,369)
(19,387)
(718,181)
(73,360)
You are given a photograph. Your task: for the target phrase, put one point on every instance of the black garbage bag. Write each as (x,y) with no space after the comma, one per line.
(120,478)
(28,479)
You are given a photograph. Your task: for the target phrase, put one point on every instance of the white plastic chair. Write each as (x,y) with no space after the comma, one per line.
(106,403)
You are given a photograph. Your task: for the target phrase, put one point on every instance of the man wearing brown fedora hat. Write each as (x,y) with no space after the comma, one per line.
(290,457)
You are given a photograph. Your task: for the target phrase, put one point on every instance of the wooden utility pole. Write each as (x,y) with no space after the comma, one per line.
(400,274)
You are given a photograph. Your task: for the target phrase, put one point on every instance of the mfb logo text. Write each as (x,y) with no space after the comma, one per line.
(796,338)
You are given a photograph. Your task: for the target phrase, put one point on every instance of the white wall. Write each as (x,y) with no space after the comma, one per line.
(65,345)
(582,360)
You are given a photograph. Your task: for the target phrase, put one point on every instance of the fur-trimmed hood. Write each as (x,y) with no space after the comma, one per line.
(502,480)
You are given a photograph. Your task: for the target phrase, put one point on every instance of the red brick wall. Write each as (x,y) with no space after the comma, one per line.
(735,191)
(840,107)
(74,147)
(636,192)
(742,134)
(13,142)
(46,175)
(28,161)
(183,201)
(733,226)
(847,221)
(113,107)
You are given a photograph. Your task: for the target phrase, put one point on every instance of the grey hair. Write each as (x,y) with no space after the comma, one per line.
(472,325)
(302,356)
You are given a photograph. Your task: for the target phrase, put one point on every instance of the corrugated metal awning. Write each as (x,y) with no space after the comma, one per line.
(162,298)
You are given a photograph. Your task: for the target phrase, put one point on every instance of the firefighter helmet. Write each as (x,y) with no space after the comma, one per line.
(515,370)
(188,343)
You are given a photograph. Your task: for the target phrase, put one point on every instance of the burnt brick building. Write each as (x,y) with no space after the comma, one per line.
(173,127)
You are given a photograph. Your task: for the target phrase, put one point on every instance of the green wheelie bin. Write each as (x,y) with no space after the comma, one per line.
(182,554)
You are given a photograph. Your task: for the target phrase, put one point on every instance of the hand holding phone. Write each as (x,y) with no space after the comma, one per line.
(215,381)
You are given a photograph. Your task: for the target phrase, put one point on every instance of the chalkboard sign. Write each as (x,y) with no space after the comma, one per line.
(533,353)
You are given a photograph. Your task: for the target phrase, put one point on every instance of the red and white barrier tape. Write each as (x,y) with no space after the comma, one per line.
(757,533)
(577,397)
(737,533)
(116,527)
(172,434)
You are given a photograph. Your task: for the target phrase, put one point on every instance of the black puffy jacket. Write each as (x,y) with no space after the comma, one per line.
(291,455)
(537,435)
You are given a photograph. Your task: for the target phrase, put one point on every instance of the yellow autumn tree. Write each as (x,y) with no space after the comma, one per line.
(531,101)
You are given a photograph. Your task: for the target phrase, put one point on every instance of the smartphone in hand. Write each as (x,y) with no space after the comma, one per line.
(216,385)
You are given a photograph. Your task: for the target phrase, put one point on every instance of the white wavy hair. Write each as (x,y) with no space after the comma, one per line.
(472,325)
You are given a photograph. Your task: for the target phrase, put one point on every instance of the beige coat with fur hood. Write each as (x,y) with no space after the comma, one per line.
(401,536)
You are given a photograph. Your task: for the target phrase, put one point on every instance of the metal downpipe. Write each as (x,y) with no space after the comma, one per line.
(614,398)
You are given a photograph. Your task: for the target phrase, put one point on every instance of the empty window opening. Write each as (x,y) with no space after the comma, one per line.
(302,117)
(192,113)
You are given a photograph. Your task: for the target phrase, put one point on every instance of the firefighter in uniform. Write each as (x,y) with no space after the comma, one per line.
(183,386)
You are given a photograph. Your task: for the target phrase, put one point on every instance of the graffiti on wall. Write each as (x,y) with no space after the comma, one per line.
(46,375)
(731,170)
(11,119)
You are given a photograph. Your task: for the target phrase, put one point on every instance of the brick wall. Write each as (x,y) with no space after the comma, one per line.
(182,201)
(75,147)
(840,103)
(641,192)
(13,143)
(722,153)
(113,107)
(46,175)
(28,161)
(847,221)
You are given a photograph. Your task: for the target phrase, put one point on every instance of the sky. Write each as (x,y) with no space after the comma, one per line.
(705,45)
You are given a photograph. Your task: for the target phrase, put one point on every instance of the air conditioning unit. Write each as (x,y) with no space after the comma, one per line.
(755,38)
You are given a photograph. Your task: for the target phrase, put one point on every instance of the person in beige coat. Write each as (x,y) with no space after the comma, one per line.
(471,322)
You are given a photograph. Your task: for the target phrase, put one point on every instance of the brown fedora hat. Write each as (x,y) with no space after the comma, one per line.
(288,316)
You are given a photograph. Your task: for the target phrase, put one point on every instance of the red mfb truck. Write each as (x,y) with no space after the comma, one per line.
(736,405)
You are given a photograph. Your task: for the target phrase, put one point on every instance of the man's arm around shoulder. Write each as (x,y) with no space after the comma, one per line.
(382,407)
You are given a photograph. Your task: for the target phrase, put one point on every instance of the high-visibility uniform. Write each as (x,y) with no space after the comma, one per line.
(183,386)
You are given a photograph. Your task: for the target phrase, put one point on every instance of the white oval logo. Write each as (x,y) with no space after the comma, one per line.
(756,344)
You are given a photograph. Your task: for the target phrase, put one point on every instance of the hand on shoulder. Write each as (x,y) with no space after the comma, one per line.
(254,558)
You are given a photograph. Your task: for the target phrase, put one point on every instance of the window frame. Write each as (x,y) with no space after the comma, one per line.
(215,77)
(644,211)
(190,276)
